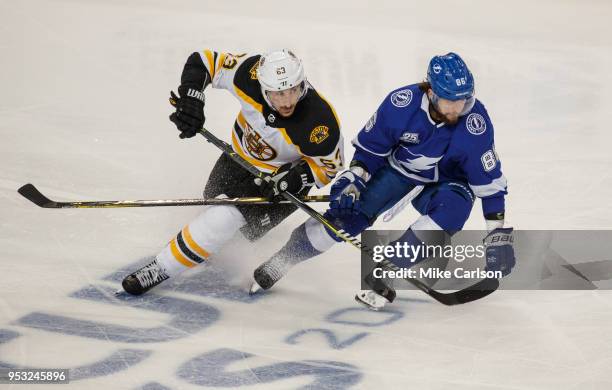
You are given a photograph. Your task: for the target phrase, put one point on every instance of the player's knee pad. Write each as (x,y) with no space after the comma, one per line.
(461,189)
(449,210)
(423,202)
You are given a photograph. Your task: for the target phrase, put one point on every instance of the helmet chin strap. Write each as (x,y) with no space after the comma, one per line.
(305,86)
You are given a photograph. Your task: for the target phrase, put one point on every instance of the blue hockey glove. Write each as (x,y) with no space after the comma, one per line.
(500,251)
(344,194)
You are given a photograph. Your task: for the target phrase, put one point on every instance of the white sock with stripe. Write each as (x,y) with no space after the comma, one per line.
(205,235)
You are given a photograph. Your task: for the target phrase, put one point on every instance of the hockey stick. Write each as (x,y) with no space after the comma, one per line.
(31,193)
(472,293)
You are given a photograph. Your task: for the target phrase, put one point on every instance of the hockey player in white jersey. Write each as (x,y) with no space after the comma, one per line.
(434,137)
(285,128)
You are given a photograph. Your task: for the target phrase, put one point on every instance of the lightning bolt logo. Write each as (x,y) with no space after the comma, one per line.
(420,163)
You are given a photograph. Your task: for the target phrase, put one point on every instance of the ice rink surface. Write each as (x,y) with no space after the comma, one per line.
(84,117)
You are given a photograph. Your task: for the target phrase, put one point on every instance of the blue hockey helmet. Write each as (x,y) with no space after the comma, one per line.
(451,79)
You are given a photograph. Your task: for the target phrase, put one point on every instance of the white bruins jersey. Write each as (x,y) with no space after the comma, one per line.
(262,136)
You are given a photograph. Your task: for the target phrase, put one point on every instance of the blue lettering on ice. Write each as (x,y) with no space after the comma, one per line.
(119,360)
(209,369)
(154,386)
(331,338)
(188,318)
(7,335)
(366,317)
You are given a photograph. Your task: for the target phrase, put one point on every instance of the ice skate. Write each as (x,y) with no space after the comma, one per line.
(371,299)
(144,279)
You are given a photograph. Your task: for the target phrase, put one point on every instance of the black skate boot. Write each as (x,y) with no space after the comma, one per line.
(144,279)
(268,273)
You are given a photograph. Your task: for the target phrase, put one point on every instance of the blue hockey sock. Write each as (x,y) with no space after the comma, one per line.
(411,250)
(296,250)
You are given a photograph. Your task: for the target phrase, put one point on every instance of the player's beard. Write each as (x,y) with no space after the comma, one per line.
(451,120)
(440,117)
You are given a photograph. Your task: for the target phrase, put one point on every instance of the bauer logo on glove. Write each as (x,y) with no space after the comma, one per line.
(500,250)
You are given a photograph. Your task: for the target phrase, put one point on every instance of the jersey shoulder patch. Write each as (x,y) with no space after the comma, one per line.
(477,122)
(246,80)
(474,133)
(408,95)
(401,98)
(399,107)
(313,127)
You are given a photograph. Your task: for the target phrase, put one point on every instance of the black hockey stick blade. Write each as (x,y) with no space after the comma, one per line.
(477,291)
(32,194)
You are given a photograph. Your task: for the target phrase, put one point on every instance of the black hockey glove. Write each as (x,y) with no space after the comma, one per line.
(189,115)
(287,178)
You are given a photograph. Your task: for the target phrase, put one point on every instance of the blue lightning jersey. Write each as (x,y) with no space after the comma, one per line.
(402,134)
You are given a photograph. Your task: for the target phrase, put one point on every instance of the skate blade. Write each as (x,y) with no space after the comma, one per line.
(255,288)
(366,304)
(120,292)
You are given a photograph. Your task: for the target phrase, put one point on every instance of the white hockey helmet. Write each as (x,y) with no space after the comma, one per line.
(279,70)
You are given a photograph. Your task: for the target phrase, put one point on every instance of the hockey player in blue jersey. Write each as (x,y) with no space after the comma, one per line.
(430,143)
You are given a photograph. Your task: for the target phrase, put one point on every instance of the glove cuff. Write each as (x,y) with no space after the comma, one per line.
(186,91)
(305,174)
(492,225)
(359,169)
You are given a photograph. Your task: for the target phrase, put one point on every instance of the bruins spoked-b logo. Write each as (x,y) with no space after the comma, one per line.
(257,147)
(319,134)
